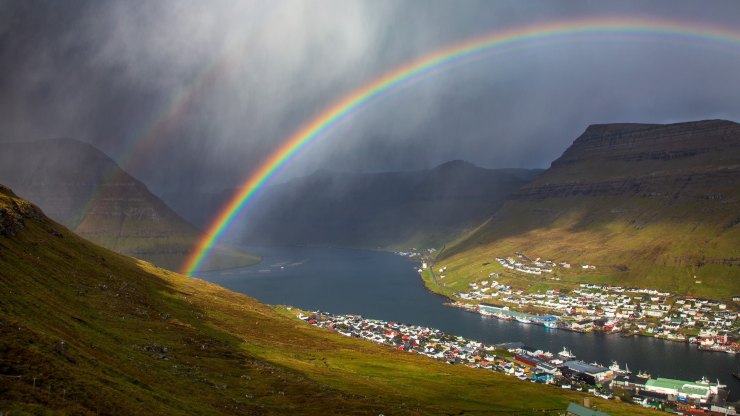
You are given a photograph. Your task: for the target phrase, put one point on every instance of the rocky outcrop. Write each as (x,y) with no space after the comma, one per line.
(654,142)
(14,213)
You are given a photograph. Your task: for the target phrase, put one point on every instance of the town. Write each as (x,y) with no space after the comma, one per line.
(528,364)
(710,324)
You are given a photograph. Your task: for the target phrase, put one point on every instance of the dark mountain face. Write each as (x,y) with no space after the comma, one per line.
(391,209)
(653,204)
(61,175)
(85,190)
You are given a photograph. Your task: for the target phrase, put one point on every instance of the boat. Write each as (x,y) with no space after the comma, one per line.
(551,324)
(615,367)
(523,320)
(565,353)
(643,374)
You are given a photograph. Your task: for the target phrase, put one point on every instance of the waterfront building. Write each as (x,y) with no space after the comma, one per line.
(589,373)
(681,390)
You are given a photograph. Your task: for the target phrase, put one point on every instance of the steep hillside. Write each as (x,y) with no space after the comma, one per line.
(649,205)
(84,331)
(85,190)
(389,209)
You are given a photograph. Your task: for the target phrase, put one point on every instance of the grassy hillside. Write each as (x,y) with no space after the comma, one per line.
(84,330)
(653,206)
(88,192)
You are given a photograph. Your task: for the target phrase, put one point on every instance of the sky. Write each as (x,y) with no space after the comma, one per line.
(187,94)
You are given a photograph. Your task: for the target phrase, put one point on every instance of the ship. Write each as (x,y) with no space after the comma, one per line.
(617,370)
(566,354)
(643,374)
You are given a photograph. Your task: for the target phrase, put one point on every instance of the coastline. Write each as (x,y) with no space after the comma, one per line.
(731,348)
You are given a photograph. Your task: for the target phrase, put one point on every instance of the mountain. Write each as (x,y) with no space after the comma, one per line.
(88,192)
(648,205)
(388,210)
(84,330)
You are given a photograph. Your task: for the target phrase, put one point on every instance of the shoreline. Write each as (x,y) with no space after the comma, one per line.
(472,307)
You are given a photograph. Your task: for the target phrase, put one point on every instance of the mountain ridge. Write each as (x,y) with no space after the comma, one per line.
(653,205)
(386,209)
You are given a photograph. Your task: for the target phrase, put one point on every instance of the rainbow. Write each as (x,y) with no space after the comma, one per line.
(527,36)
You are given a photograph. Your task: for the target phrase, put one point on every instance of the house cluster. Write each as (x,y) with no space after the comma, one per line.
(537,267)
(711,324)
(526,363)
(523,264)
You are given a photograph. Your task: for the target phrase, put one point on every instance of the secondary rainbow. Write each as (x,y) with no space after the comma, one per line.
(527,36)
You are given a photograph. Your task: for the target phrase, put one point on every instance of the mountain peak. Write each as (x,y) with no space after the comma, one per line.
(456,164)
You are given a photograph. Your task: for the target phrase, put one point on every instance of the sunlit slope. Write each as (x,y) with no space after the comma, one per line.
(88,331)
(88,192)
(650,205)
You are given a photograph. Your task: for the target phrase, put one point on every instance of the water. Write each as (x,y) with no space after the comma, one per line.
(386,286)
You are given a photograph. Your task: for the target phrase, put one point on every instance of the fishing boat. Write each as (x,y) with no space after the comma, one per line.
(615,367)
(565,353)
(619,371)
(643,374)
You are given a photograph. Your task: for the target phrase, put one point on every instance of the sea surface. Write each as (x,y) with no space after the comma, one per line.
(386,286)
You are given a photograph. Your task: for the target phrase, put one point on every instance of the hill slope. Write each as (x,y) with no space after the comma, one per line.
(649,205)
(84,330)
(388,210)
(85,190)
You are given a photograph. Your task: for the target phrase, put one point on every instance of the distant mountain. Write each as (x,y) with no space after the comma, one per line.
(650,205)
(85,190)
(390,209)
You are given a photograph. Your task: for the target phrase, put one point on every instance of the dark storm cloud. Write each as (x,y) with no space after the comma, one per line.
(244,75)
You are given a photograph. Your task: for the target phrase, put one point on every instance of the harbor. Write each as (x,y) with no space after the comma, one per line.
(529,364)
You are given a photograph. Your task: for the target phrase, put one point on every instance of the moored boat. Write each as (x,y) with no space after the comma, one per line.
(565,353)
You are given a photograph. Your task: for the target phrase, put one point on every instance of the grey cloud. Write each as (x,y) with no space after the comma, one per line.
(245,75)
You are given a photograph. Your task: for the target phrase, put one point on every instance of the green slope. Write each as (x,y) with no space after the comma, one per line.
(84,330)
(654,206)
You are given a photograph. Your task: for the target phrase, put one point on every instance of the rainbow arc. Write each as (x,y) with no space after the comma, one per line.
(538,35)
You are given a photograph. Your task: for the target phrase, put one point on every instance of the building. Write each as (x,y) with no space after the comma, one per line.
(548,368)
(680,390)
(585,325)
(585,372)
(578,410)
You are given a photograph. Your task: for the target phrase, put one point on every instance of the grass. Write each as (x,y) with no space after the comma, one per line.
(669,254)
(89,331)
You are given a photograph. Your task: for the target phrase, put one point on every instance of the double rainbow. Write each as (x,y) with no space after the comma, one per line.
(539,34)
